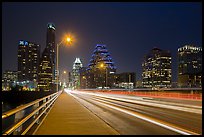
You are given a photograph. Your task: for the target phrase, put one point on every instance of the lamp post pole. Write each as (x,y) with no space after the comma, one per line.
(129,81)
(57,59)
(106,77)
(69,40)
(106,74)
(84,79)
(57,64)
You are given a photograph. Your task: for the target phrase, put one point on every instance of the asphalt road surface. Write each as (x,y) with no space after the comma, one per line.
(130,115)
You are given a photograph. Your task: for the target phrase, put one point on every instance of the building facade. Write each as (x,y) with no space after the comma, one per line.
(83,78)
(139,84)
(47,75)
(101,68)
(75,74)
(51,48)
(28,61)
(9,80)
(156,69)
(190,66)
(125,80)
(45,72)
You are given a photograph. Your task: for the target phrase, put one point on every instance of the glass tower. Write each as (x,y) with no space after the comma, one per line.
(189,66)
(50,44)
(28,61)
(100,68)
(45,75)
(75,74)
(156,69)
(47,62)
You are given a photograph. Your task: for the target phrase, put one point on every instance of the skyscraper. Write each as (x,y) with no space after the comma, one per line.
(156,69)
(75,74)
(100,68)
(189,66)
(47,62)
(28,61)
(45,72)
(50,44)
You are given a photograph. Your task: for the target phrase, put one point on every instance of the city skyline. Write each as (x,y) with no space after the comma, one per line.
(172,26)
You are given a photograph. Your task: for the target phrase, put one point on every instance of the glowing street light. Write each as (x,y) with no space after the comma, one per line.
(68,40)
(84,78)
(102,65)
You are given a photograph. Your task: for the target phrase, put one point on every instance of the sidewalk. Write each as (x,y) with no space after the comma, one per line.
(69,117)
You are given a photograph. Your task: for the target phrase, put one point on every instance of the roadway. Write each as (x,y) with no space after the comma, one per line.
(132,115)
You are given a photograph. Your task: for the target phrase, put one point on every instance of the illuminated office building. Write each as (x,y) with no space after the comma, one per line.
(75,74)
(10,75)
(101,68)
(45,72)
(189,66)
(28,61)
(51,47)
(9,80)
(47,62)
(156,69)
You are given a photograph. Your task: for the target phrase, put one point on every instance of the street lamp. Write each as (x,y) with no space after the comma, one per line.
(64,77)
(84,78)
(102,66)
(69,41)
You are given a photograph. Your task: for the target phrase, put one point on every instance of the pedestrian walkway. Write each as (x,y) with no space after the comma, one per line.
(69,117)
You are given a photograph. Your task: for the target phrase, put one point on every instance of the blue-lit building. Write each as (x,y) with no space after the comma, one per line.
(101,69)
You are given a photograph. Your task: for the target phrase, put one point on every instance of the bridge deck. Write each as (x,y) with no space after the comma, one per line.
(69,117)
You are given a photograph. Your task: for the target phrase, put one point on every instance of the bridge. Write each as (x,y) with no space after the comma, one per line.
(109,112)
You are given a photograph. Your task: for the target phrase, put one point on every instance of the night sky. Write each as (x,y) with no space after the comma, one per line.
(130,30)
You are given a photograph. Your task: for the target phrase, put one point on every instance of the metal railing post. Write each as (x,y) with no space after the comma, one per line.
(19,115)
(38,107)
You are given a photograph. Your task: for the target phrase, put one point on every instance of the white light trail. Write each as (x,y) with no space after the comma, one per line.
(192,110)
(170,127)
